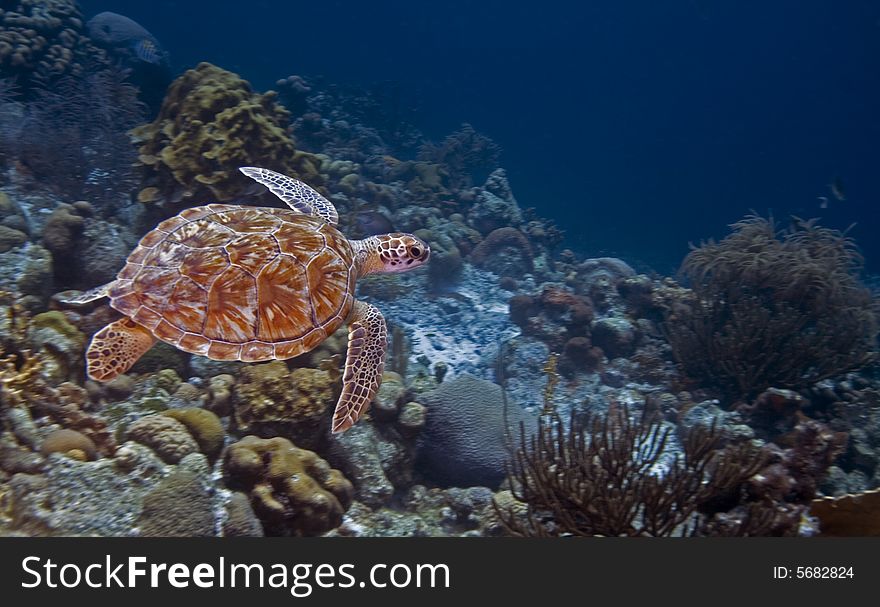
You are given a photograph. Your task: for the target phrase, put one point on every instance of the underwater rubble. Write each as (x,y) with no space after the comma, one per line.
(512,360)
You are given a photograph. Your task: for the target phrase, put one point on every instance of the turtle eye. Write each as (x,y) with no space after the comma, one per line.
(415,251)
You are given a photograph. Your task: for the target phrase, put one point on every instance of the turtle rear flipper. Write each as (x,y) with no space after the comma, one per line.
(364,365)
(116,347)
(81,298)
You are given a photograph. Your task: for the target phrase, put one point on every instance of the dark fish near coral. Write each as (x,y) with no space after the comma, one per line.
(371,223)
(146,50)
(836,187)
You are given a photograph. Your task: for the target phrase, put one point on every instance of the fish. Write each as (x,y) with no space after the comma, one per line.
(146,50)
(836,187)
(823,202)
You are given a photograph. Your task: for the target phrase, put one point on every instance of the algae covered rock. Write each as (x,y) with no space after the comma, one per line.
(27,270)
(60,344)
(293,491)
(241,521)
(270,400)
(99,498)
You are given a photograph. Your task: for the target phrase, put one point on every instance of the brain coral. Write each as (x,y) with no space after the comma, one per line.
(463,441)
(204,426)
(43,40)
(212,122)
(168,437)
(293,491)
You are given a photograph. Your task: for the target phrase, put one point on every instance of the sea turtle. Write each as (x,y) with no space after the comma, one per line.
(253,284)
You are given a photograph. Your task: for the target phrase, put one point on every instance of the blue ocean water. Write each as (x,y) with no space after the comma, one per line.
(637,125)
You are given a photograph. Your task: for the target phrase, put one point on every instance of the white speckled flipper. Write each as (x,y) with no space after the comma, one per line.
(85,296)
(295,193)
(364,365)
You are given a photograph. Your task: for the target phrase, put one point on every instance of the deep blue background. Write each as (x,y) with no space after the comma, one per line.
(639,125)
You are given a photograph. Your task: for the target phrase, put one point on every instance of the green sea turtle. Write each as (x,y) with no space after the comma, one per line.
(253,284)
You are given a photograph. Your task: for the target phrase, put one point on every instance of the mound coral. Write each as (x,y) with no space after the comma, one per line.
(782,308)
(41,41)
(211,123)
(293,491)
(204,426)
(74,444)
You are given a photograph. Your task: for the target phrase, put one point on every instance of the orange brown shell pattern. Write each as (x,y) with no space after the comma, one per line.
(239,283)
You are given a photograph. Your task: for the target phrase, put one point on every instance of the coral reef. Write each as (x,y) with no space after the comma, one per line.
(28,271)
(782,308)
(464,154)
(495,207)
(555,316)
(211,122)
(24,388)
(292,491)
(72,138)
(100,498)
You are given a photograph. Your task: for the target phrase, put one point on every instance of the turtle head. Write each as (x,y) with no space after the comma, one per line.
(394,252)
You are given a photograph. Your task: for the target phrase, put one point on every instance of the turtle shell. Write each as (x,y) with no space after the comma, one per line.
(239,283)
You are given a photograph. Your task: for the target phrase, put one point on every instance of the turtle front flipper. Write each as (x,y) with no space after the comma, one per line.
(295,193)
(85,297)
(116,347)
(364,365)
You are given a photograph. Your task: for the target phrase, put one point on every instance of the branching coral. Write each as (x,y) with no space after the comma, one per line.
(612,476)
(22,386)
(211,123)
(773,308)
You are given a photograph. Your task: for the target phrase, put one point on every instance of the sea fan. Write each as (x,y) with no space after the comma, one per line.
(74,136)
